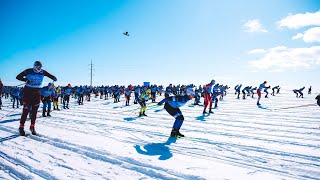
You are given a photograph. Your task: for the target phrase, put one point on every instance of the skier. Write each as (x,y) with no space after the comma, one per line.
(46,97)
(169,90)
(273,89)
(300,92)
(66,96)
(196,96)
(214,95)
(252,91)
(57,93)
(244,90)
(15,93)
(222,92)
(153,89)
(127,94)
(80,91)
(309,90)
(266,91)
(235,89)
(143,97)
(238,90)
(261,86)
(207,96)
(172,105)
(31,93)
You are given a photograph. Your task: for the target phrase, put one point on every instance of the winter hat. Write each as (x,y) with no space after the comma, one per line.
(190,91)
(37,63)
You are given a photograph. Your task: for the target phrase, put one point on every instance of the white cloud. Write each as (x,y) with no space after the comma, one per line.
(283,58)
(254,26)
(310,36)
(297,21)
(298,36)
(257,51)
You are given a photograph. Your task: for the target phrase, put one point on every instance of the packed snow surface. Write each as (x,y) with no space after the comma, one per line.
(106,140)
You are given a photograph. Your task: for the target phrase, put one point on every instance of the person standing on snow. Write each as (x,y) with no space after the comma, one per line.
(207,96)
(172,105)
(261,86)
(300,92)
(46,97)
(66,96)
(57,93)
(31,93)
(143,97)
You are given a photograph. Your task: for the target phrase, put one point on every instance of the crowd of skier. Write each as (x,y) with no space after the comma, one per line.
(175,96)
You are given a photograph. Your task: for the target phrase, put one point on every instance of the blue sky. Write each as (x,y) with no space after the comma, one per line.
(171,41)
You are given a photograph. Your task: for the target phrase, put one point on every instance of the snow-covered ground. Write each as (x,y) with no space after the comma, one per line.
(106,140)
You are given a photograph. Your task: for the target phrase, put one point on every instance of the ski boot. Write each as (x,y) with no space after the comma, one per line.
(33,131)
(176,133)
(21,131)
(44,114)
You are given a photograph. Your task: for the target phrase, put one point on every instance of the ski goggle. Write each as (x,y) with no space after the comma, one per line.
(38,67)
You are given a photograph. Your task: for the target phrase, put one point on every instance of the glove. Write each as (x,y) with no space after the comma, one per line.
(54,79)
(29,81)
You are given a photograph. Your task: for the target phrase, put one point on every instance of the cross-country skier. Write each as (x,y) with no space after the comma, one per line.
(266,91)
(207,96)
(238,90)
(252,91)
(309,90)
(296,92)
(300,92)
(46,97)
(56,95)
(66,96)
(261,86)
(172,105)
(31,93)
(143,97)
(273,90)
(169,90)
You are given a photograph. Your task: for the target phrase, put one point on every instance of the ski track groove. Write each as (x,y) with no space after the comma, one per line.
(124,162)
(225,120)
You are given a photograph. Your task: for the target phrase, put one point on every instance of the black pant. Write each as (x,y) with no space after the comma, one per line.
(80,99)
(175,112)
(66,98)
(31,99)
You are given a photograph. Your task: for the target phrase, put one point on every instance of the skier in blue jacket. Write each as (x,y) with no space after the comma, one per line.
(172,105)
(46,98)
(31,93)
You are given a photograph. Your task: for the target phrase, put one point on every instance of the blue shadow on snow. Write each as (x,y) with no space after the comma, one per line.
(202,117)
(10,120)
(261,107)
(157,149)
(8,138)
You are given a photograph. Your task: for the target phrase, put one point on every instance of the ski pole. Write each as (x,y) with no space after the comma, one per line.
(297,106)
(21,84)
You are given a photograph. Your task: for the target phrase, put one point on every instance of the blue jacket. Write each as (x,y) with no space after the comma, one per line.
(178,100)
(45,91)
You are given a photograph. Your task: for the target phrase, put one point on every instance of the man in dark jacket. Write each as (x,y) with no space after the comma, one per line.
(31,94)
